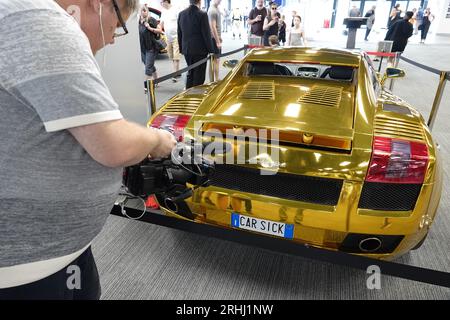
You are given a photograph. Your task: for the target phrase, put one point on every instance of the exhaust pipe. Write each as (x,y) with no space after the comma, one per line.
(370,244)
(171,205)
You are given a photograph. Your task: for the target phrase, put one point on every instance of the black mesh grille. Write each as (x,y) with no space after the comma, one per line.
(387,244)
(282,185)
(389,196)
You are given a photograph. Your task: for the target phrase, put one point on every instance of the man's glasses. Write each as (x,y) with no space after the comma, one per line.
(123,30)
(274,8)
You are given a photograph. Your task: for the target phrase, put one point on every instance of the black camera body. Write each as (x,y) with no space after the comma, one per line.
(168,180)
(160,176)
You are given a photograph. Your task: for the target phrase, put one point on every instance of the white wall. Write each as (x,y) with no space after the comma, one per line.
(442,24)
(124,73)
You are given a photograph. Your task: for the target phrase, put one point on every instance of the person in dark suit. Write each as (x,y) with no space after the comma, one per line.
(400,32)
(195,42)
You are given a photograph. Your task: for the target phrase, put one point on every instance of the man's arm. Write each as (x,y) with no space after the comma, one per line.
(206,32)
(251,18)
(120,143)
(268,24)
(410,30)
(157,30)
(179,34)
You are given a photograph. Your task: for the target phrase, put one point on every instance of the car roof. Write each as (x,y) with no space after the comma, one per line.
(327,56)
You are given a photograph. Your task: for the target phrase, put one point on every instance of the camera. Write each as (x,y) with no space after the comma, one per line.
(172,180)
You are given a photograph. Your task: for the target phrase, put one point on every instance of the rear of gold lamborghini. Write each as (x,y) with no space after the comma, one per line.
(345,166)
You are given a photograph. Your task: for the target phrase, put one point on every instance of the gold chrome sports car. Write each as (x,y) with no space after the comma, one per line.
(346,165)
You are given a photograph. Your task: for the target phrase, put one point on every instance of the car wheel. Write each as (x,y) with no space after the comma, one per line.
(420,243)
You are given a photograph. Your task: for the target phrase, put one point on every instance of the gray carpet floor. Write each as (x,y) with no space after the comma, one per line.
(141,261)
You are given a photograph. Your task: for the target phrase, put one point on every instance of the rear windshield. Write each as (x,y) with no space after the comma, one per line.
(299,70)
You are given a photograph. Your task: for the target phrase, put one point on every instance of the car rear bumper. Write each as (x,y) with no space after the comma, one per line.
(341,227)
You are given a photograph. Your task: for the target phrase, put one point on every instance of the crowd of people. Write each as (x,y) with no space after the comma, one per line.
(195,33)
(420,19)
(402,26)
(267,26)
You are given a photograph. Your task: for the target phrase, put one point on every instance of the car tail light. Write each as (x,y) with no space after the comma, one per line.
(173,123)
(398,161)
(152,203)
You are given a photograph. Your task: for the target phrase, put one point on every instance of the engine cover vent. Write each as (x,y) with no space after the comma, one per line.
(183,105)
(396,108)
(323,96)
(398,128)
(258,90)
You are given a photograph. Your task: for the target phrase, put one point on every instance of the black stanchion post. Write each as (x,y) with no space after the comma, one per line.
(381,63)
(437,99)
(396,62)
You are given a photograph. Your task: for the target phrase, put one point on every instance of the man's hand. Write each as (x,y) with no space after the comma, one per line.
(258,17)
(165,146)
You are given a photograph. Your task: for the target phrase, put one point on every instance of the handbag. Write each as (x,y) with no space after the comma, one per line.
(160,43)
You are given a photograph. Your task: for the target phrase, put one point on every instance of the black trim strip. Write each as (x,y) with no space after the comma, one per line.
(434,277)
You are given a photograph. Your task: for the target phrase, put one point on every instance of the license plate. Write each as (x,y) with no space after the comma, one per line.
(273,228)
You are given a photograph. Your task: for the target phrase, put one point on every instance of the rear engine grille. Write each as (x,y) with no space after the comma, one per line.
(396,108)
(398,128)
(324,96)
(389,196)
(259,91)
(183,105)
(282,185)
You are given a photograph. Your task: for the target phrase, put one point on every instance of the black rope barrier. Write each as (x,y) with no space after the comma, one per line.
(232,52)
(195,65)
(408,272)
(421,66)
(179,72)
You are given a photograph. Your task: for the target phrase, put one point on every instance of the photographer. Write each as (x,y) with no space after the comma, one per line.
(149,30)
(271,24)
(64,143)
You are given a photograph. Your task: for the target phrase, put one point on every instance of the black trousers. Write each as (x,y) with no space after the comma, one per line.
(367,33)
(63,284)
(424,31)
(197,75)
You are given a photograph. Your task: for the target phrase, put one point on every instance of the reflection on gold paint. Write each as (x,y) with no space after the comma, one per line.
(317,156)
(292,110)
(345,163)
(363,164)
(232,109)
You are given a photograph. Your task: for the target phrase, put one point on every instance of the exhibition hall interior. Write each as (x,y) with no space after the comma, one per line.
(240,150)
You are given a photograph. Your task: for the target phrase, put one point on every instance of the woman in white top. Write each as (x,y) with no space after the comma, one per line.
(297,35)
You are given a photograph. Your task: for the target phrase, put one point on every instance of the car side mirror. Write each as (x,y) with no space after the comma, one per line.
(230,63)
(392,73)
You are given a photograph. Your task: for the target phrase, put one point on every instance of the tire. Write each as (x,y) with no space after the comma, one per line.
(417,246)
